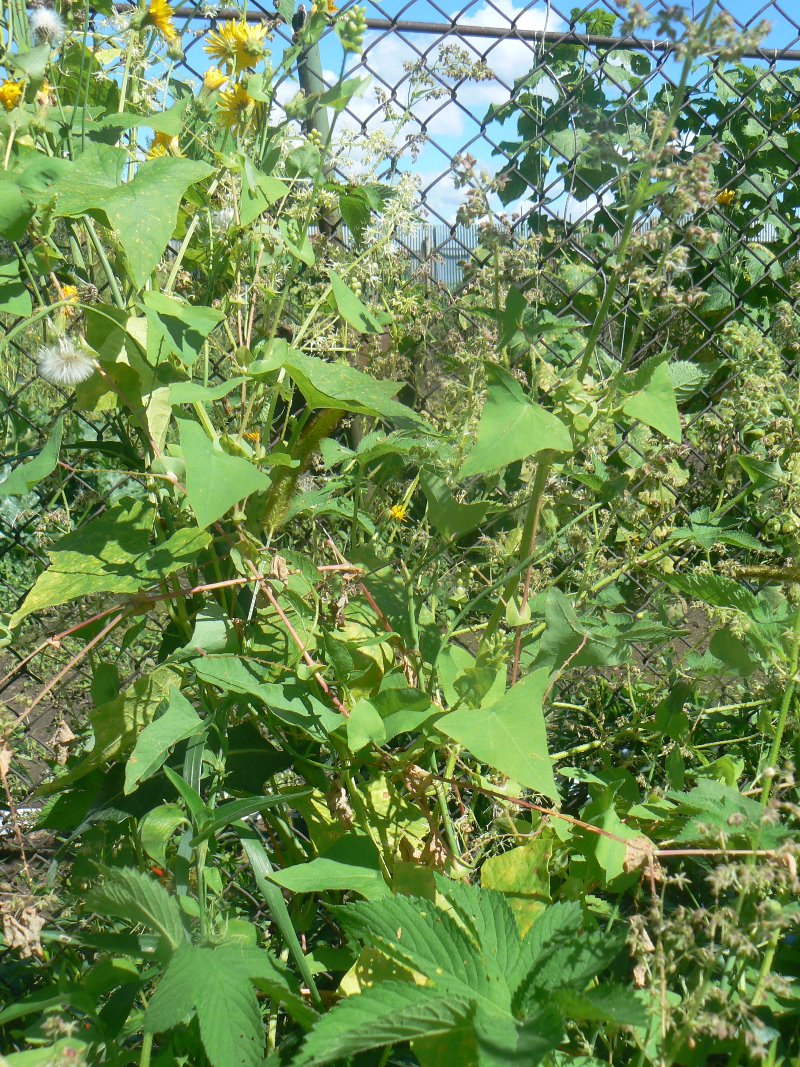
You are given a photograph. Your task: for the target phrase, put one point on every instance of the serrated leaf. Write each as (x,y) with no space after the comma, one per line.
(510,735)
(217,985)
(128,894)
(715,589)
(511,428)
(384,1014)
(215,481)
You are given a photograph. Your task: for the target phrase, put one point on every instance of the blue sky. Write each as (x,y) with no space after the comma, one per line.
(454,126)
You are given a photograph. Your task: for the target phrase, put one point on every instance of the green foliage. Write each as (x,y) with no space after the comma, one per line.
(405,677)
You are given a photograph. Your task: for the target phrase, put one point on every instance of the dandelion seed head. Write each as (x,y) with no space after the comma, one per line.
(64,362)
(47,25)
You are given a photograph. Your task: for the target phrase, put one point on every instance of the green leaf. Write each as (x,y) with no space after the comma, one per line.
(605,1004)
(15,210)
(112,554)
(510,735)
(385,1014)
(235,810)
(215,481)
(394,710)
(157,827)
(522,875)
(451,519)
(216,984)
(350,864)
(259,191)
(64,1051)
(195,393)
(655,404)
(715,589)
(177,327)
(336,385)
(512,428)
(24,477)
(178,721)
(352,310)
(128,894)
(142,212)
(116,725)
(14,297)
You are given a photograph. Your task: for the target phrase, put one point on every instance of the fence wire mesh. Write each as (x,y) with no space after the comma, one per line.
(498,117)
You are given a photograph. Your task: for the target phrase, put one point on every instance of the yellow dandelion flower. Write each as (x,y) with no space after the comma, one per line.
(398,512)
(159,16)
(164,145)
(45,95)
(235,107)
(237,46)
(10,94)
(214,79)
(70,293)
(726,197)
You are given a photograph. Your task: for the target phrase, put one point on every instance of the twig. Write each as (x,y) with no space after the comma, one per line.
(326,689)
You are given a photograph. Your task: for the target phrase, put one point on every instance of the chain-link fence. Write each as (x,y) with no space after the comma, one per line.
(516,124)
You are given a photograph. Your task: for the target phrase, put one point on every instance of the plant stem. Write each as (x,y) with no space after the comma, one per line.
(786,704)
(526,550)
(147,1048)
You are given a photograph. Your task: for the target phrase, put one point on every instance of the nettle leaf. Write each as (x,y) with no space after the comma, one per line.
(655,404)
(174,326)
(510,735)
(24,477)
(128,894)
(511,428)
(386,1014)
(142,212)
(178,721)
(715,589)
(215,481)
(216,984)
(112,554)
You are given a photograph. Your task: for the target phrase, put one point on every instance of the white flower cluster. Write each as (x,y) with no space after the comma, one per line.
(64,362)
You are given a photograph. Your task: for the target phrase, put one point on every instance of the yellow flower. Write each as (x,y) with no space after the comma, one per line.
(164,145)
(726,197)
(159,16)
(237,46)
(214,79)
(398,512)
(235,105)
(10,94)
(253,436)
(45,95)
(70,293)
